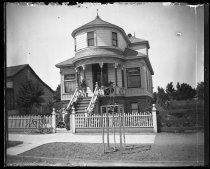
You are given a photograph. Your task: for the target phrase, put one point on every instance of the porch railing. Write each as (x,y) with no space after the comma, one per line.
(113,91)
(73,99)
(93,99)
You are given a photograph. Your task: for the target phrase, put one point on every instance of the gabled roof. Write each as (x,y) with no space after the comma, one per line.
(134,40)
(98,22)
(14,70)
(67,62)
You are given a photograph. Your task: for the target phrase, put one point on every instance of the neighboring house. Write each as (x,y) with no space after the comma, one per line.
(103,54)
(16,76)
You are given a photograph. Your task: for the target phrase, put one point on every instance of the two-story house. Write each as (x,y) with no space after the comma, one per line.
(104,53)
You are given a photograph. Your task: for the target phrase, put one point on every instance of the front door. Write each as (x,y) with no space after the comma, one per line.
(96,72)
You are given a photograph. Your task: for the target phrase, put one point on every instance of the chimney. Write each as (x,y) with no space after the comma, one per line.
(129,35)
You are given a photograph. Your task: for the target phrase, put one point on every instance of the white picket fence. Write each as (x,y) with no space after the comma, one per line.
(22,121)
(138,119)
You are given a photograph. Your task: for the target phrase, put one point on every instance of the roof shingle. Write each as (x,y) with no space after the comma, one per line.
(13,70)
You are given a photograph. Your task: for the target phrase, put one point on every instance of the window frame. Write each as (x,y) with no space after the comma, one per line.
(92,38)
(134,110)
(114,39)
(139,75)
(69,80)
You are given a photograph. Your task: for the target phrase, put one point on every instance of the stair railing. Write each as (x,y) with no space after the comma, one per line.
(93,99)
(74,98)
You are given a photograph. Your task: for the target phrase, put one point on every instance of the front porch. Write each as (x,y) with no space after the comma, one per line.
(112,78)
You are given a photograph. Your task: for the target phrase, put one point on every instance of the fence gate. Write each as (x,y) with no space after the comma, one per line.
(61,123)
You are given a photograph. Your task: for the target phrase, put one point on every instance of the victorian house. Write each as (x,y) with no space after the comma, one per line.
(115,66)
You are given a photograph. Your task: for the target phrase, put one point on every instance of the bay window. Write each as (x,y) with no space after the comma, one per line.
(133,77)
(69,83)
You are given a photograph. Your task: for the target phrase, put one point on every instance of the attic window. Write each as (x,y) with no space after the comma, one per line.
(114,38)
(90,38)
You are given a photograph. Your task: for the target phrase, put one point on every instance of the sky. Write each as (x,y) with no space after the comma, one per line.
(40,35)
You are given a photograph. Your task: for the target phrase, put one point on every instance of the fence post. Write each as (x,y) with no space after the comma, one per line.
(54,120)
(154,118)
(73,119)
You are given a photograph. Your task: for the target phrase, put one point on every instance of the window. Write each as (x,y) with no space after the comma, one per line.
(10,99)
(114,38)
(134,107)
(133,77)
(147,79)
(69,83)
(90,38)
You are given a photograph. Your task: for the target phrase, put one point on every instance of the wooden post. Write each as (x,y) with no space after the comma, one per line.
(107,127)
(101,66)
(114,130)
(73,120)
(123,125)
(83,67)
(63,113)
(115,67)
(154,118)
(54,120)
(120,131)
(102,125)
(77,81)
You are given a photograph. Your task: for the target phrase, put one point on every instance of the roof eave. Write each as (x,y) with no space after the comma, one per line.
(98,25)
(64,65)
(144,42)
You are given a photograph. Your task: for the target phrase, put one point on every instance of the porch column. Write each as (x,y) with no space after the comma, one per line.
(115,67)
(76,77)
(154,118)
(83,67)
(101,66)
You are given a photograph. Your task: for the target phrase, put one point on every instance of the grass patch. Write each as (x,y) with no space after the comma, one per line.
(13,143)
(137,152)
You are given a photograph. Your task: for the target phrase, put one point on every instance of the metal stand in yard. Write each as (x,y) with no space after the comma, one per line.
(105,123)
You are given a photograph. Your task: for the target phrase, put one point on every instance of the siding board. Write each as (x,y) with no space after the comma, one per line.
(81,41)
(103,38)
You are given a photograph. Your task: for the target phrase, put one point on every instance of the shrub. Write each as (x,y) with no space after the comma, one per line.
(67,121)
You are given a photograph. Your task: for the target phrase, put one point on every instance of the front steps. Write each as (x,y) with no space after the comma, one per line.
(82,104)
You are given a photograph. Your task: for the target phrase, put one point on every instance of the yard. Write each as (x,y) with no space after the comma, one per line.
(168,148)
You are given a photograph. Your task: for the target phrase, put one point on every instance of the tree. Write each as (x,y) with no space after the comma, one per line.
(200,90)
(170,91)
(161,96)
(29,95)
(57,94)
(184,92)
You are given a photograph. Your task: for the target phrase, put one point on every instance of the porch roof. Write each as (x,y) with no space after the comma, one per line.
(95,51)
(67,62)
(135,40)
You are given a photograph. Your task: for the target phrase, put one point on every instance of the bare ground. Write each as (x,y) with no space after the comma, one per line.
(168,147)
